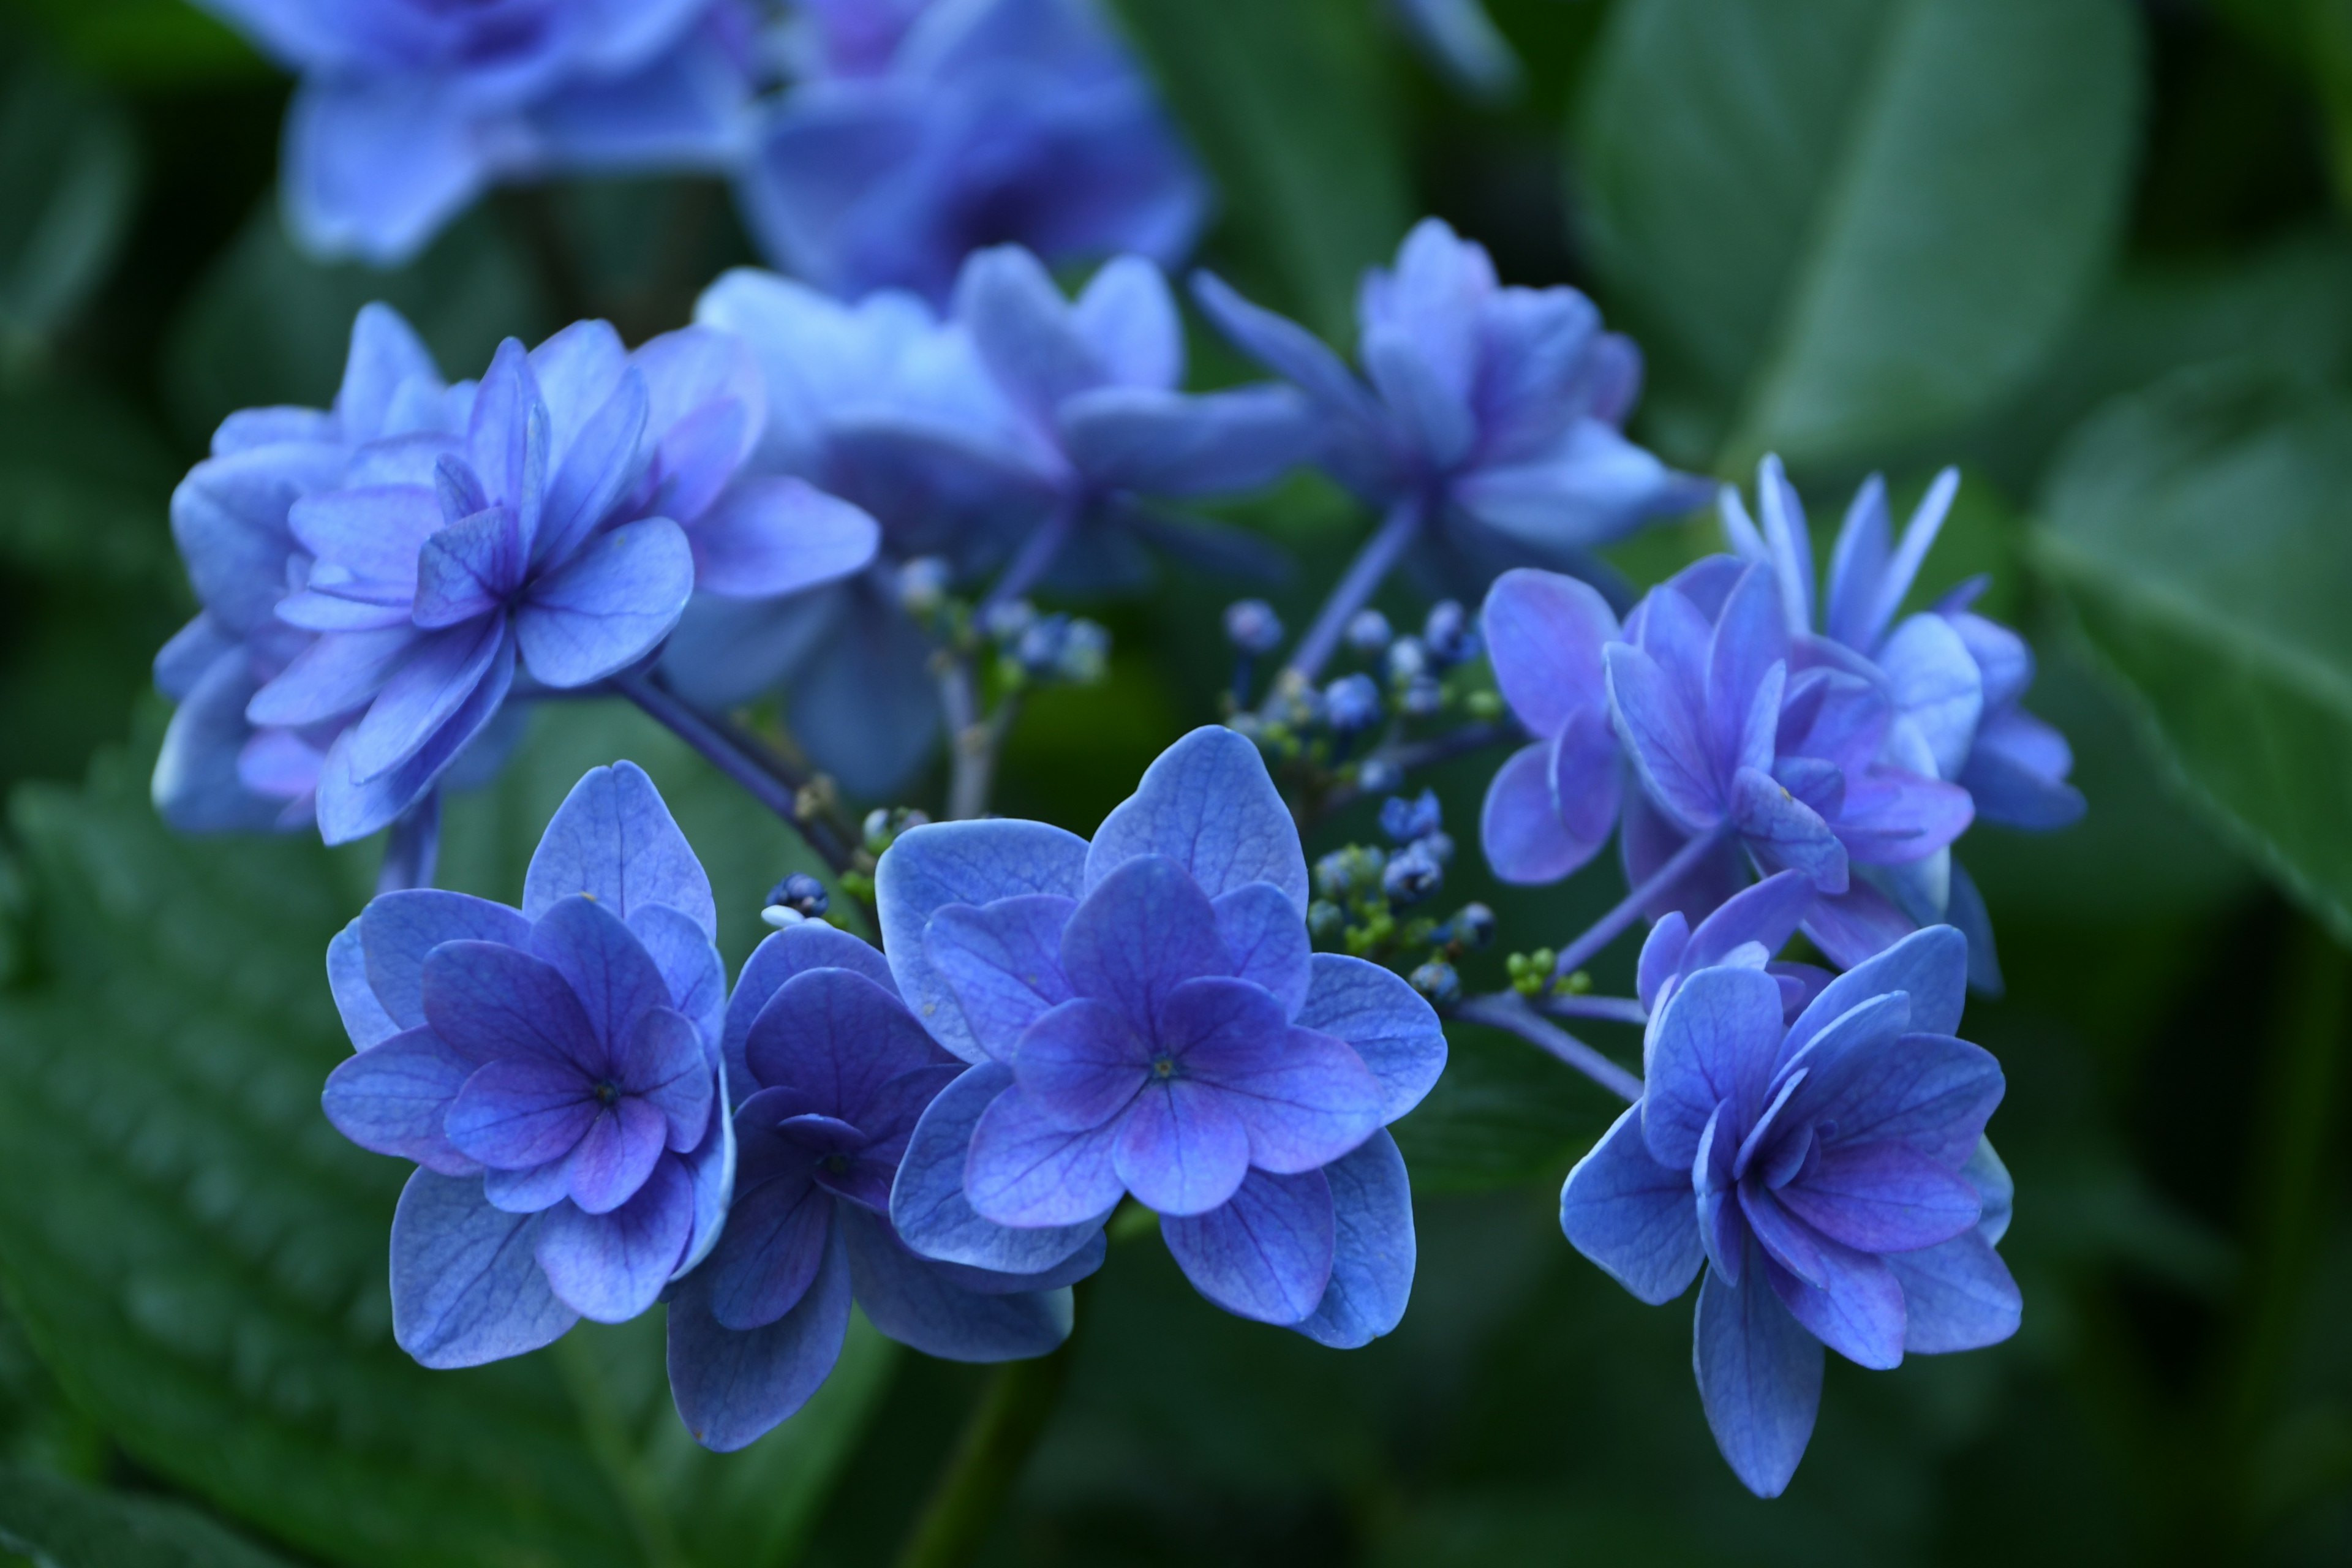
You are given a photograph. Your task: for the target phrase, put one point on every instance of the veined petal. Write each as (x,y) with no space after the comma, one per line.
(609,605)
(1632,1215)
(467,1286)
(1266,1252)
(1207,804)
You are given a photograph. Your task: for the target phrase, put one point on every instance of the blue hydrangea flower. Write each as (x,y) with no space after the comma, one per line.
(1552,804)
(1496,412)
(1953,679)
(1744,931)
(1784,767)
(559,528)
(1018,437)
(217,770)
(1146,1018)
(554,1071)
(409,109)
(1831,1174)
(992,121)
(832,1072)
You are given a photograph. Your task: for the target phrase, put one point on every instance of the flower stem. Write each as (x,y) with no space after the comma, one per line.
(768,778)
(979,1475)
(1362,579)
(410,853)
(1604,931)
(1507,1010)
(1033,560)
(1609,1009)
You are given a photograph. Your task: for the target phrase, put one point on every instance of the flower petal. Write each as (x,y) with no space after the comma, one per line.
(812,945)
(1180,1148)
(1390,1025)
(1713,1042)
(837,1038)
(1265,941)
(1956,1297)
(1139,933)
(1266,1252)
(920,1304)
(1372,1247)
(927,1204)
(1207,804)
(1545,633)
(776,1238)
(1632,1215)
(614,840)
(773,535)
(612,1267)
(618,1154)
(1930,966)
(1882,1198)
(608,606)
(398,930)
(391,1098)
(467,1286)
(489,1002)
(1304,1097)
(1023,1171)
(1658,725)
(1759,1379)
(733,1388)
(607,968)
(1002,963)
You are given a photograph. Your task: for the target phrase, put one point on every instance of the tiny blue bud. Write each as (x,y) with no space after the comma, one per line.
(922,585)
(1377,775)
(1252,626)
(1451,635)
(1331,878)
(1085,653)
(1423,697)
(1437,981)
(1037,647)
(1352,702)
(1368,632)
(1323,920)
(876,829)
(1407,658)
(1007,621)
(1412,875)
(800,893)
(1440,847)
(1406,820)
(1474,925)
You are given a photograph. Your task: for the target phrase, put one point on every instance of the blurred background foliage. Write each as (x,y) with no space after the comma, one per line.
(2095,250)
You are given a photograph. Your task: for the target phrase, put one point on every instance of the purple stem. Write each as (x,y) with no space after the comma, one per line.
(1363,577)
(1035,559)
(1609,1009)
(1604,930)
(1508,1010)
(414,846)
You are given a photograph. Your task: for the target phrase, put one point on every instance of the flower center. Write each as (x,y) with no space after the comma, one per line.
(1163,1065)
(608,1093)
(837,1164)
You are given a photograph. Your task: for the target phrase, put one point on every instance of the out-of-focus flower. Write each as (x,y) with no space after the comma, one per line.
(1462,42)
(1147,1018)
(928,132)
(554,1072)
(833,1072)
(1495,412)
(409,109)
(1831,1174)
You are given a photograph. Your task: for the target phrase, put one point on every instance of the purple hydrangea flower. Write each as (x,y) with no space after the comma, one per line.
(554,1071)
(1953,679)
(1017,437)
(1495,412)
(217,770)
(1146,1018)
(1787,767)
(1553,802)
(833,1072)
(936,130)
(409,109)
(559,527)
(1830,1173)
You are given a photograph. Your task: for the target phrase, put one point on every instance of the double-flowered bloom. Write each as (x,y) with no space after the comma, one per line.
(1828,1174)
(831,1072)
(1495,414)
(1953,680)
(409,109)
(217,770)
(1743,758)
(1024,433)
(554,1071)
(555,520)
(1144,1018)
(925,130)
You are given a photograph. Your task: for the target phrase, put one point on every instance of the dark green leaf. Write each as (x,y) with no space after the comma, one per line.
(268,325)
(1288,106)
(72,1526)
(2202,531)
(67,172)
(1846,226)
(85,487)
(1504,1114)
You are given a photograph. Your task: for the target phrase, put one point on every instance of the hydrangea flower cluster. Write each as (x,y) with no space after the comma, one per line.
(1144,1018)
(922,131)
(409,109)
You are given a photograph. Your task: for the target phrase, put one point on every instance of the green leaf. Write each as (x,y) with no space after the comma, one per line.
(85,487)
(72,1526)
(268,325)
(1504,1115)
(1845,226)
(2203,533)
(144,42)
(200,1258)
(1290,107)
(69,170)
